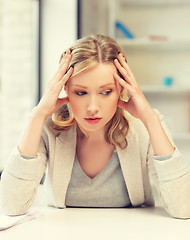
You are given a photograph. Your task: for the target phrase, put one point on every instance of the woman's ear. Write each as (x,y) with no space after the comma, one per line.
(66,90)
(124,95)
(63,93)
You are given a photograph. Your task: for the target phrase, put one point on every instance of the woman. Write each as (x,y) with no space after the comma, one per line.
(99,146)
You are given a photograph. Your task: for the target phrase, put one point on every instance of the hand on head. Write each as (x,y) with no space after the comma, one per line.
(50,101)
(137,104)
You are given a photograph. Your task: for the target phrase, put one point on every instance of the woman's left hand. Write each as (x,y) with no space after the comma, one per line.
(137,105)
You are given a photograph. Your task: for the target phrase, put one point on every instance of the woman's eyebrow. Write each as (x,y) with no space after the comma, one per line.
(107,85)
(103,86)
(77,85)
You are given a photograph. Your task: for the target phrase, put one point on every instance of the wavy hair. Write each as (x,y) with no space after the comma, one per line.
(86,53)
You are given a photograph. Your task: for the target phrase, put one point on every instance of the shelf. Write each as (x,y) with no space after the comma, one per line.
(147,42)
(150,3)
(162,89)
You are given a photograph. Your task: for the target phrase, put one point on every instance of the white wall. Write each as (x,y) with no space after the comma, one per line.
(59,30)
(16,71)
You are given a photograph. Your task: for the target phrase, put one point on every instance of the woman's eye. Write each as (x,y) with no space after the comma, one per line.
(107,92)
(80,93)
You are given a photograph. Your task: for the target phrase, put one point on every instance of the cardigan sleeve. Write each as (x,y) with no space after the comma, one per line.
(172,180)
(20,180)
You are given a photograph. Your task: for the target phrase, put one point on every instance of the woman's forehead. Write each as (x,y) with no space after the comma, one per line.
(100,74)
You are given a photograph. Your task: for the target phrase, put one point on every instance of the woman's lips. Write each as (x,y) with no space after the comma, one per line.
(93,120)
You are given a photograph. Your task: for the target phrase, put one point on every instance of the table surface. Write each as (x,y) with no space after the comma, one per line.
(93,223)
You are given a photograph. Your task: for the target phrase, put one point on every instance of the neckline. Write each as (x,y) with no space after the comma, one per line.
(88,180)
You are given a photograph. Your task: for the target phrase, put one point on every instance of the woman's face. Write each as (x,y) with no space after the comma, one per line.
(93,96)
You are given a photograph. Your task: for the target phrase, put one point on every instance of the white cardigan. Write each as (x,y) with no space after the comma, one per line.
(21,176)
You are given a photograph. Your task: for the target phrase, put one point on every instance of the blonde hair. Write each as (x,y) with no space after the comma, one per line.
(86,53)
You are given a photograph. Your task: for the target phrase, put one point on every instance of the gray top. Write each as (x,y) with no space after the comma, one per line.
(107,189)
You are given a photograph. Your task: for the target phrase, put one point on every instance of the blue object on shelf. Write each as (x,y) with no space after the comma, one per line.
(167,81)
(124,30)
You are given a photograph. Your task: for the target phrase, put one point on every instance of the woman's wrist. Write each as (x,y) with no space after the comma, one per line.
(149,117)
(30,139)
(158,137)
(40,114)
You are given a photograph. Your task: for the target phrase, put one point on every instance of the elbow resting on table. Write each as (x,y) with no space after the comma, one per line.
(181,213)
(14,212)
(16,200)
(14,207)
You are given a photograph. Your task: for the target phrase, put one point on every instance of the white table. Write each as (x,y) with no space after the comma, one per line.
(89,223)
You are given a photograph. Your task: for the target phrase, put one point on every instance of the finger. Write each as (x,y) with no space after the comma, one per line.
(122,82)
(130,89)
(121,69)
(122,60)
(64,80)
(63,60)
(65,66)
(63,55)
(67,76)
(124,64)
(59,85)
(62,68)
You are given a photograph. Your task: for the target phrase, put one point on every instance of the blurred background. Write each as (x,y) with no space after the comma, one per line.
(155,36)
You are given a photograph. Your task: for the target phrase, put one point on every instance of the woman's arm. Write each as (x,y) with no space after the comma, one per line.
(50,102)
(22,175)
(159,140)
(171,176)
(139,107)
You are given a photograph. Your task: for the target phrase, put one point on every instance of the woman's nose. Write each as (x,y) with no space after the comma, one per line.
(92,107)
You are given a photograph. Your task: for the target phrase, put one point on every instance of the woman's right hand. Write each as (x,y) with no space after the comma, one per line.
(50,101)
